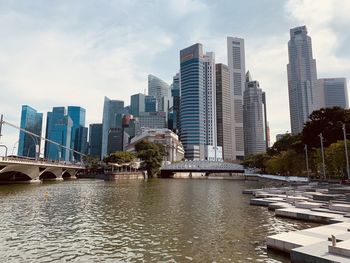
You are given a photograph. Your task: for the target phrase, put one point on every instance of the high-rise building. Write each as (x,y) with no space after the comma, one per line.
(78,132)
(160,90)
(236,64)
(111,109)
(137,104)
(58,129)
(31,121)
(302,75)
(95,140)
(192,102)
(175,93)
(331,92)
(150,104)
(223,111)
(254,118)
(153,120)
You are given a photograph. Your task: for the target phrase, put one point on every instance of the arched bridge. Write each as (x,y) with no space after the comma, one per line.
(206,167)
(23,170)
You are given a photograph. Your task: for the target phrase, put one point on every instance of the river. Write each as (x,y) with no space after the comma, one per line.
(167,220)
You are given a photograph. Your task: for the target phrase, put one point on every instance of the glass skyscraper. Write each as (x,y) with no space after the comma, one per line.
(111,108)
(31,120)
(78,132)
(302,75)
(58,129)
(175,93)
(331,92)
(160,90)
(95,139)
(192,102)
(137,104)
(150,104)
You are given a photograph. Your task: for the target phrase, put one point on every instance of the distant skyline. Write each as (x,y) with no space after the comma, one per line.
(62,53)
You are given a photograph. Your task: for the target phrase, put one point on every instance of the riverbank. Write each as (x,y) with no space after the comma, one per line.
(327,204)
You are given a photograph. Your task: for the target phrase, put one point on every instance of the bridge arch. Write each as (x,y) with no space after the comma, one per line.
(13,176)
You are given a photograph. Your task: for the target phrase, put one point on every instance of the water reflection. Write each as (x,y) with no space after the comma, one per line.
(136,221)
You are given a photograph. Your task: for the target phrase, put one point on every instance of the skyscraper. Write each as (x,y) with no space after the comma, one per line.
(137,104)
(31,120)
(150,104)
(236,64)
(302,75)
(223,111)
(109,121)
(58,129)
(254,118)
(331,92)
(160,90)
(95,139)
(175,93)
(79,131)
(192,102)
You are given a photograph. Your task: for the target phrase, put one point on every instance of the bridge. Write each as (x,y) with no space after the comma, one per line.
(14,169)
(206,167)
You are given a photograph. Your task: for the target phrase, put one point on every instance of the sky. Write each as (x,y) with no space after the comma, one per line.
(62,52)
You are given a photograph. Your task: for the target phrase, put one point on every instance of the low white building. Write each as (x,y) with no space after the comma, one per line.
(171,142)
(213,153)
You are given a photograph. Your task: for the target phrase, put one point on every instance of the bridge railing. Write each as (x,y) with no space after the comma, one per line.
(45,162)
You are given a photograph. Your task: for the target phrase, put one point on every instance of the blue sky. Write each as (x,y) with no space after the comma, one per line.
(60,53)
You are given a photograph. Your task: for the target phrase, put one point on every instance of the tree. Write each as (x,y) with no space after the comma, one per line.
(256,161)
(91,163)
(286,163)
(152,156)
(287,142)
(327,121)
(120,157)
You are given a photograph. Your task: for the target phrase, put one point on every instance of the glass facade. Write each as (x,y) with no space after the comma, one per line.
(31,121)
(78,133)
(150,104)
(137,104)
(95,140)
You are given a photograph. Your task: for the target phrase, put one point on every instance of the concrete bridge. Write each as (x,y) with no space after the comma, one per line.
(14,169)
(204,167)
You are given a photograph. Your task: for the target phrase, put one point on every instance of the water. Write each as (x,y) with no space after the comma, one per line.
(163,220)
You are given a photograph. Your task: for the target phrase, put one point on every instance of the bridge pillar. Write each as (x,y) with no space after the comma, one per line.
(55,171)
(30,171)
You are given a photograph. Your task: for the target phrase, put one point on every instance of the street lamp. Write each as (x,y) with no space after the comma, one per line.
(322,153)
(307,162)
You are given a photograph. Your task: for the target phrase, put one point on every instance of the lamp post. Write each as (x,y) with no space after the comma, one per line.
(307,162)
(346,151)
(322,153)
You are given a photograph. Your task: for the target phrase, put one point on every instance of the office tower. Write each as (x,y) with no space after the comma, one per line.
(192,102)
(137,104)
(253,115)
(223,111)
(31,121)
(126,109)
(266,124)
(175,93)
(59,128)
(236,64)
(153,120)
(133,127)
(150,104)
(302,75)
(77,114)
(110,110)
(160,90)
(95,139)
(331,92)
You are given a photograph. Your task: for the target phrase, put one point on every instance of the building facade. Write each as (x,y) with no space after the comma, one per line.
(192,102)
(160,90)
(175,94)
(302,75)
(224,111)
(254,118)
(95,140)
(331,92)
(150,104)
(137,104)
(153,120)
(236,64)
(31,121)
(111,109)
(78,132)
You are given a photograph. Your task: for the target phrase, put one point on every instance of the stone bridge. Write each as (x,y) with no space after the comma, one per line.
(14,169)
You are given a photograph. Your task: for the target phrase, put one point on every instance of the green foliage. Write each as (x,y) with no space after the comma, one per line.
(152,156)
(120,157)
(256,161)
(287,142)
(91,163)
(287,162)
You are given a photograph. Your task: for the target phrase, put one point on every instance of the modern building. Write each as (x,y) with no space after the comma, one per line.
(160,90)
(79,131)
(331,92)
(175,94)
(111,109)
(236,64)
(95,140)
(153,120)
(150,104)
(254,118)
(302,75)
(192,102)
(137,104)
(171,142)
(31,121)
(224,111)
(58,129)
